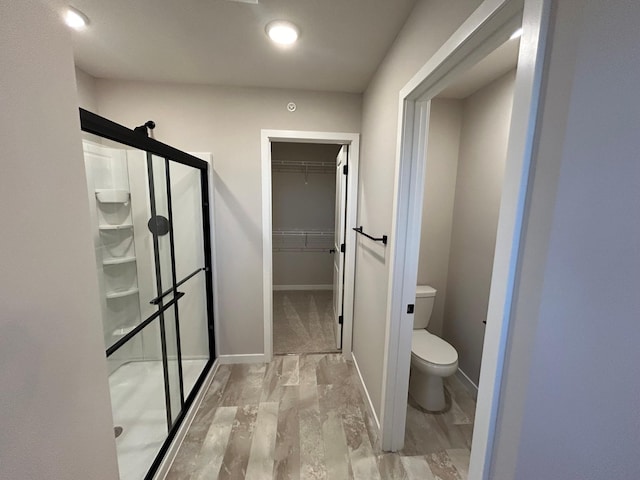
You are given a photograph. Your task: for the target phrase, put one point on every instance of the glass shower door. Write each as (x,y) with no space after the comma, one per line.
(190,270)
(161,228)
(149,208)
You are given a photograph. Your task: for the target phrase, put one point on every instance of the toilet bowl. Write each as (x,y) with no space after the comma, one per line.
(432,358)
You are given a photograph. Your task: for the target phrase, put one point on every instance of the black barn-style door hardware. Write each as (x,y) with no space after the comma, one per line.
(382,239)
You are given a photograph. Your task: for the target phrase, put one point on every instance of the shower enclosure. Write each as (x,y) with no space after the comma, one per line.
(150,219)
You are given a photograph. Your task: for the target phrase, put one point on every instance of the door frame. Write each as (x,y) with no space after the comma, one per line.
(489,25)
(296,136)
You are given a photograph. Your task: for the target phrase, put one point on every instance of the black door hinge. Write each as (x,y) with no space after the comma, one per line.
(345,169)
(340,320)
(410,308)
(343,248)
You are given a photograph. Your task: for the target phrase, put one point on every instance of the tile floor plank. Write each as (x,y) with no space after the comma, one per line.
(417,468)
(209,460)
(260,466)
(312,451)
(287,451)
(236,457)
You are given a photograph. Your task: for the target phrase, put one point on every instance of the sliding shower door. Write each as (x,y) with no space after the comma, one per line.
(150,214)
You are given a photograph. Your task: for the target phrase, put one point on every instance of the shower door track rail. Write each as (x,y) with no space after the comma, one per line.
(105,128)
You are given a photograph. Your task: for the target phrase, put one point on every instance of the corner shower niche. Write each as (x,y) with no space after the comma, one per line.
(113,212)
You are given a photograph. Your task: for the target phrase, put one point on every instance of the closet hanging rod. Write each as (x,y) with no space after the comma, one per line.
(303,163)
(322,233)
(303,249)
(382,239)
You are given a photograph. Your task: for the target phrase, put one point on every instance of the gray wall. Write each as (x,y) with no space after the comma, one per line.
(441,169)
(56,418)
(227,122)
(570,393)
(86,88)
(486,119)
(303,202)
(429,25)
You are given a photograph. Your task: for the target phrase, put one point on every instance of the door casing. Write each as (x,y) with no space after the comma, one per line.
(296,136)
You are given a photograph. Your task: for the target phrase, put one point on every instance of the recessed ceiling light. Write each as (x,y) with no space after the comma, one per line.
(282,33)
(75,18)
(516,34)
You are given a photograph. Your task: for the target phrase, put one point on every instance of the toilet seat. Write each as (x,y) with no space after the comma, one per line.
(431,349)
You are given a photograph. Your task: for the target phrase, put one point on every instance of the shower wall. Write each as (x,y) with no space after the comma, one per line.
(121,271)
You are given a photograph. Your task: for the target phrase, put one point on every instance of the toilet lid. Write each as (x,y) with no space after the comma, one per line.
(432,349)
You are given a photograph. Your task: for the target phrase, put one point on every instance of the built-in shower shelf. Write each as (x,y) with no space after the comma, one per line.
(125,293)
(124,226)
(112,196)
(118,261)
(121,332)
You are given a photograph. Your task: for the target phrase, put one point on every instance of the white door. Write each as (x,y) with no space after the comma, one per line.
(339,241)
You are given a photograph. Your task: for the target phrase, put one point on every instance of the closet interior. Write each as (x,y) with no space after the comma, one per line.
(303,215)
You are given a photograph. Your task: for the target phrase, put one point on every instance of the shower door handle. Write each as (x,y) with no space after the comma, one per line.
(157,300)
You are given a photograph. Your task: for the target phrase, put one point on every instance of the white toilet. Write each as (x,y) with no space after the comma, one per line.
(432,358)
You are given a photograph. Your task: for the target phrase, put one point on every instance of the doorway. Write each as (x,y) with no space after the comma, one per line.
(466,150)
(309,192)
(308,205)
(492,24)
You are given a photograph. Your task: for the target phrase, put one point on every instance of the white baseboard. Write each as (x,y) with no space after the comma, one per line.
(468,383)
(170,456)
(302,287)
(250,358)
(365,392)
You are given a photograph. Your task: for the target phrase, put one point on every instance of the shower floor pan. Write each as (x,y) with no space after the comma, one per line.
(138,404)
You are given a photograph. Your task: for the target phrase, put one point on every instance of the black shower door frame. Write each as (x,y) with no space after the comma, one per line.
(105,128)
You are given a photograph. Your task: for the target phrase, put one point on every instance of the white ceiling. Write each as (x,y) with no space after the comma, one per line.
(497,63)
(223,42)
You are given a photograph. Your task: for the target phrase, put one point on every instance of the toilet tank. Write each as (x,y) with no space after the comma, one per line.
(425,298)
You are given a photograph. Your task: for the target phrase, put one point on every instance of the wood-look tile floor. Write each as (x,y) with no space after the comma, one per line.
(303,321)
(303,417)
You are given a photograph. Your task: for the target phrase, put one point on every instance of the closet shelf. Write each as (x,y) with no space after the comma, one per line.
(118,261)
(302,240)
(300,233)
(125,293)
(303,166)
(123,226)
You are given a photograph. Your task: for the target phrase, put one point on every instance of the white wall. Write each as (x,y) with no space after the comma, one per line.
(486,119)
(571,388)
(227,122)
(441,168)
(429,25)
(303,201)
(55,415)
